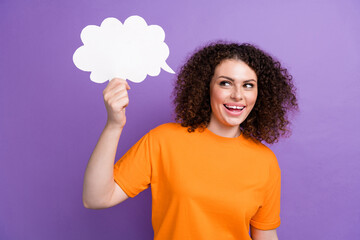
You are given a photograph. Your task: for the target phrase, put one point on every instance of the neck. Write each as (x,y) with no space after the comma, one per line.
(224,131)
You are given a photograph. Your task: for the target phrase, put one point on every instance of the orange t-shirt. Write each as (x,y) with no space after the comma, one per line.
(203,186)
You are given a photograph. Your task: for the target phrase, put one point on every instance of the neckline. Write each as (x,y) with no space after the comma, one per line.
(221,138)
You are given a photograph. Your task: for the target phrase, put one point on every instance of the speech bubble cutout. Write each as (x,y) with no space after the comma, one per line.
(130,51)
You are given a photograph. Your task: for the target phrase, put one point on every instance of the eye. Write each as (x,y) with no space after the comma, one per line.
(248,85)
(225,83)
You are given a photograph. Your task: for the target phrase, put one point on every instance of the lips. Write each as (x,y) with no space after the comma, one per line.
(234,110)
(234,107)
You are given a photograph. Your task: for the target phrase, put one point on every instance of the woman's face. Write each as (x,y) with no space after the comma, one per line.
(233,93)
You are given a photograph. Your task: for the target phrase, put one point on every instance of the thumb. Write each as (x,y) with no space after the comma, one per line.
(127,86)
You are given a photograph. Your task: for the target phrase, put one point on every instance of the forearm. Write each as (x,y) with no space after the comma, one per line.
(257,234)
(98,180)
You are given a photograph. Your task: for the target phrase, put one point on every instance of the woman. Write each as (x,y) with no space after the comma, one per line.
(210,175)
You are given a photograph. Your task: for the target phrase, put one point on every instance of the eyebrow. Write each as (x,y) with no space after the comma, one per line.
(230,79)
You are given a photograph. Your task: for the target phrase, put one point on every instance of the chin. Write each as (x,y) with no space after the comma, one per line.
(233,122)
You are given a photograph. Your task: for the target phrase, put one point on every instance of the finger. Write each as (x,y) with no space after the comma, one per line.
(119,103)
(113,83)
(123,81)
(113,96)
(124,102)
(127,85)
(108,88)
(118,80)
(120,97)
(115,92)
(110,93)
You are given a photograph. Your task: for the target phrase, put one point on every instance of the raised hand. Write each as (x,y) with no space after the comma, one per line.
(116,99)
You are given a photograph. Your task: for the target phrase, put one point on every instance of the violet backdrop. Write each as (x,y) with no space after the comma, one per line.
(51,114)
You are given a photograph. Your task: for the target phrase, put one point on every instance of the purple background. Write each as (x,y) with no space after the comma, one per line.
(51,114)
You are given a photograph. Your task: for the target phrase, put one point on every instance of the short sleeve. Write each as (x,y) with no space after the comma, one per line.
(133,171)
(268,215)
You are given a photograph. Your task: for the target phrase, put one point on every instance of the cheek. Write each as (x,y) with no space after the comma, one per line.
(251,97)
(216,96)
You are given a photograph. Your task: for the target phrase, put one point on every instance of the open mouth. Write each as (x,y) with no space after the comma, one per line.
(234,108)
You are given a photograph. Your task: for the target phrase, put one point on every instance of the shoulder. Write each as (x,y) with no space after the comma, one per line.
(168,129)
(263,151)
(168,134)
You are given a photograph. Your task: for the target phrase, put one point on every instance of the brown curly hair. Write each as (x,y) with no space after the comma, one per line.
(269,118)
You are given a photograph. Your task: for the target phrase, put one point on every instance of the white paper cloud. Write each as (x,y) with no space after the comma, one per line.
(130,51)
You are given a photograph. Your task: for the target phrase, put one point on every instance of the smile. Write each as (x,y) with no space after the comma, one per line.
(233,110)
(233,107)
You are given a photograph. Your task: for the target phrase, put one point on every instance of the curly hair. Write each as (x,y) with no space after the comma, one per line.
(269,118)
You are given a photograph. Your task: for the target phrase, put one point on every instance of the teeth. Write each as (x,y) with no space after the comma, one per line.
(235,107)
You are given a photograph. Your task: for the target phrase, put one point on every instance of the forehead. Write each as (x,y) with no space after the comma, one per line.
(235,69)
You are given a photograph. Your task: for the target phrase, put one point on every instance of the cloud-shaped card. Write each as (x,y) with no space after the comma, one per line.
(130,51)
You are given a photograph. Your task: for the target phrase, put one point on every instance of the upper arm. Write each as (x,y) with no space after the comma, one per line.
(258,234)
(117,196)
(268,213)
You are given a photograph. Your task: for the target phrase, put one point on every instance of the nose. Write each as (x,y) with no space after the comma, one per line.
(236,93)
